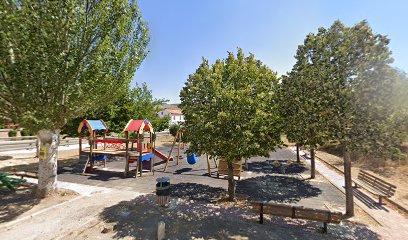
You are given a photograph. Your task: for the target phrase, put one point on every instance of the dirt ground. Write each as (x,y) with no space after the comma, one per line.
(188,218)
(396,175)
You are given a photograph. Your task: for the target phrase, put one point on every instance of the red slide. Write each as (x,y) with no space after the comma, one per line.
(161,155)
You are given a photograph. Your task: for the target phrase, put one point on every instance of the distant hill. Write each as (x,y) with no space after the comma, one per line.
(170,106)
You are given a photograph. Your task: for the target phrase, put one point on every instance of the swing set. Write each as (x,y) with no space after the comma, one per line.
(191,158)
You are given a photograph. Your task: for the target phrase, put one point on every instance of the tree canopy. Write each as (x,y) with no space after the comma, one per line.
(229,109)
(340,89)
(136,103)
(61,58)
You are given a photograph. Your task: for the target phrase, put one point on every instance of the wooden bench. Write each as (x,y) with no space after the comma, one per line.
(325,216)
(375,185)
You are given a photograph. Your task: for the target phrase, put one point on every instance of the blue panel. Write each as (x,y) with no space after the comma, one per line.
(99,158)
(96,125)
(146,157)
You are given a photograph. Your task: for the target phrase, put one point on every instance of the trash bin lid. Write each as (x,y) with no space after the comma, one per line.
(163,179)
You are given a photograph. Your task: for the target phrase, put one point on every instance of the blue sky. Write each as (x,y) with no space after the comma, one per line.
(184,31)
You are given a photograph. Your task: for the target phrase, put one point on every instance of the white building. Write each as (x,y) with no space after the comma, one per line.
(176,116)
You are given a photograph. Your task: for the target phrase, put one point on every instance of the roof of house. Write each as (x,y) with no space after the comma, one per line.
(176,111)
(170,105)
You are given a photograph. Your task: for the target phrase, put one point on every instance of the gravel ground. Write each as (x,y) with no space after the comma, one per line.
(189,218)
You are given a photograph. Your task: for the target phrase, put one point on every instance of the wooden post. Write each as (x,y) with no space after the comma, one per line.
(215,162)
(348,183)
(80,146)
(139,160)
(91,154)
(126,153)
(208,165)
(297,153)
(312,163)
(94,140)
(324,227)
(104,143)
(151,159)
(161,230)
(178,151)
(171,150)
(104,148)
(37,146)
(261,218)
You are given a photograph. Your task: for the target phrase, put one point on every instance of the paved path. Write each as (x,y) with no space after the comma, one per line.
(394,225)
(65,218)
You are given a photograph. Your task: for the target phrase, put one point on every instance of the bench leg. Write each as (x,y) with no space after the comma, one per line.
(261,218)
(324,227)
(380,200)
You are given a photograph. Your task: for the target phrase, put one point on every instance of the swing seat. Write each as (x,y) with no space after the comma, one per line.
(192,159)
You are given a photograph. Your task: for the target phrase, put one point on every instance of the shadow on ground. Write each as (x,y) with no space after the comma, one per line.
(367,200)
(13,204)
(196,192)
(276,188)
(188,217)
(5,158)
(267,167)
(33,167)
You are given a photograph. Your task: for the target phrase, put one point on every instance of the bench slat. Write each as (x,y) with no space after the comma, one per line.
(379,188)
(375,181)
(379,179)
(371,189)
(375,185)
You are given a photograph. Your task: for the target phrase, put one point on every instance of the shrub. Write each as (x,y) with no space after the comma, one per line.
(173,129)
(26,132)
(12,133)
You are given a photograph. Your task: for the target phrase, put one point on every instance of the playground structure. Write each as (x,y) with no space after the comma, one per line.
(101,147)
(88,130)
(144,150)
(137,148)
(177,138)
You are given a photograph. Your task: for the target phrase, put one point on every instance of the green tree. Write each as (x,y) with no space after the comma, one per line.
(229,110)
(135,103)
(59,59)
(173,129)
(342,86)
(305,99)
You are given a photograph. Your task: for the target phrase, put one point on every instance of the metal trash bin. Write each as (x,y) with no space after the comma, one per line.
(162,190)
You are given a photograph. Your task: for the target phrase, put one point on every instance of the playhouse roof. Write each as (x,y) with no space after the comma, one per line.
(92,125)
(138,126)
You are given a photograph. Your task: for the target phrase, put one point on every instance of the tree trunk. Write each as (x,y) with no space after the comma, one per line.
(297,153)
(231,181)
(47,167)
(348,183)
(312,163)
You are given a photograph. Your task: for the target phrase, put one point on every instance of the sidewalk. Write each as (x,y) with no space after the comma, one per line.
(393,225)
(33,150)
(68,217)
